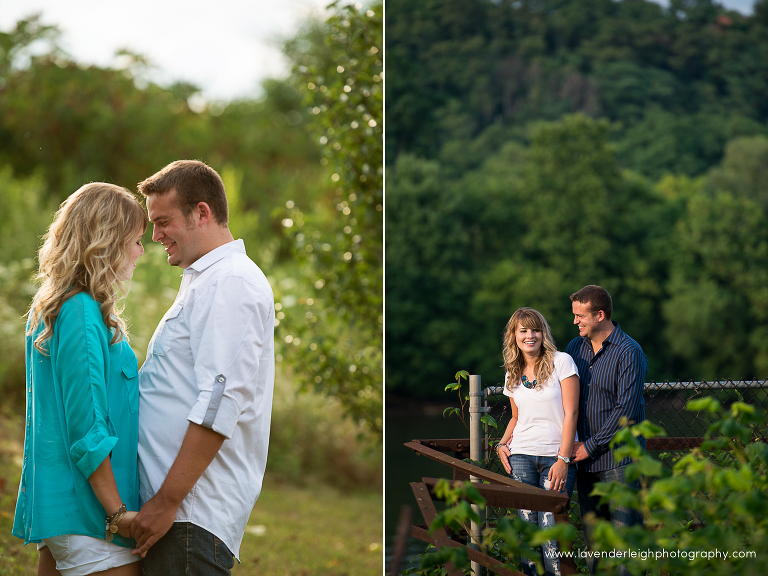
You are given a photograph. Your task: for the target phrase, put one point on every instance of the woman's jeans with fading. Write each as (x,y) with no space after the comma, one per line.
(533,470)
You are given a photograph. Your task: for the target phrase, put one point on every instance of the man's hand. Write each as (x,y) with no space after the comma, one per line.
(156,517)
(152,522)
(578,452)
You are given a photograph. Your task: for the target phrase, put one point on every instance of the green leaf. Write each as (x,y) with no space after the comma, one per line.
(648,429)
(706,404)
(490,420)
(450,411)
(647,466)
(561,532)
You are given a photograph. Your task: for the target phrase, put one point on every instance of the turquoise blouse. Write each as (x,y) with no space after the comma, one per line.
(82,406)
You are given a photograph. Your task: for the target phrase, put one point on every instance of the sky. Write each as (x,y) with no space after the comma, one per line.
(226,47)
(743,6)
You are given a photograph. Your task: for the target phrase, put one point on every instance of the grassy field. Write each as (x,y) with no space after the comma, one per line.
(311,530)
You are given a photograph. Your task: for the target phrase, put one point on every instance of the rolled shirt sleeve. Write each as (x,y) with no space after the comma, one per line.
(79,354)
(227,346)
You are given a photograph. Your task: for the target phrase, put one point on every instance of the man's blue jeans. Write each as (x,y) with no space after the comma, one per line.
(533,470)
(188,550)
(617,515)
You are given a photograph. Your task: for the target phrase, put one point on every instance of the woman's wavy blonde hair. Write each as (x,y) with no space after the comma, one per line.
(514,360)
(83,251)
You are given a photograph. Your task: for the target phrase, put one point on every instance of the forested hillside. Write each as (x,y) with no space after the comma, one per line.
(534,147)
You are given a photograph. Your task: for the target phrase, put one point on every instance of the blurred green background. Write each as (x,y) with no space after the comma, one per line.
(536,146)
(302,166)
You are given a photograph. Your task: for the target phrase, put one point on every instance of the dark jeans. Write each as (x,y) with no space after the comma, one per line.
(533,470)
(188,550)
(617,515)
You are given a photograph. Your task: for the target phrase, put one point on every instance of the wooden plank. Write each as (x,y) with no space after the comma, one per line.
(446,444)
(673,443)
(508,497)
(656,443)
(496,566)
(511,497)
(476,471)
(428,510)
(401,540)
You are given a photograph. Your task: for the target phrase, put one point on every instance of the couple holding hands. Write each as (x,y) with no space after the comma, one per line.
(566,407)
(163,463)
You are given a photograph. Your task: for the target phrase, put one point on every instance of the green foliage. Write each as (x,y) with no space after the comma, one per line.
(24,218)
(679,81)
(457,516)
(528,229)
(333,456)
(686,260)
(64,124)
(463,398)
(334,312)
(722,486)
(70,124)
(536,147)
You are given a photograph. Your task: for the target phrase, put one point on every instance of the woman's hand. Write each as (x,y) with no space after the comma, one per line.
(503,453)
(558,475)
(124,526)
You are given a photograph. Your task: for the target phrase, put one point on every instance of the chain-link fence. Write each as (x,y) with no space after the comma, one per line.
(665,405)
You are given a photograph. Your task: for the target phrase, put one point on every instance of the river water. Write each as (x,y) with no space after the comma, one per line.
(406,422)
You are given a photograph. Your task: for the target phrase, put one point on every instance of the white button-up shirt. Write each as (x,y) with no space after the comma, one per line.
(211,361)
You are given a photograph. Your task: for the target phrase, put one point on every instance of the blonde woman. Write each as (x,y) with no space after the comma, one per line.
(79,480)
(543,389)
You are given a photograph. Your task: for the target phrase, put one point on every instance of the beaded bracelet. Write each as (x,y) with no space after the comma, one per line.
(113,521)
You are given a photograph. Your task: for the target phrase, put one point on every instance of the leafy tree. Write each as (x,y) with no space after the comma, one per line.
(430,277)
(532,226)
(334,317)
(718,280)
(460,68)
(24,218)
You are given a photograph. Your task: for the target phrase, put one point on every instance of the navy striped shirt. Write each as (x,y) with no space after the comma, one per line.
(611,386)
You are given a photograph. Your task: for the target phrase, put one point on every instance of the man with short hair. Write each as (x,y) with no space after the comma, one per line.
(612,369)
(206,385)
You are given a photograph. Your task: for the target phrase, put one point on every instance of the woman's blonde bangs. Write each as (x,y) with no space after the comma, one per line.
(514,361)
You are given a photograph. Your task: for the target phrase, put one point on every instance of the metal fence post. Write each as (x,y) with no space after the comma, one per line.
(476,411)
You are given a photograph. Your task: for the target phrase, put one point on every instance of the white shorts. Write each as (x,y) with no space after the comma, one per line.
(78,555)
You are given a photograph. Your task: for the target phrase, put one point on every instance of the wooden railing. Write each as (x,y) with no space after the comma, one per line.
(502,492)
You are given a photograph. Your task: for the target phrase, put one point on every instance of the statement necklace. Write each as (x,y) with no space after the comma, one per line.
(527,383)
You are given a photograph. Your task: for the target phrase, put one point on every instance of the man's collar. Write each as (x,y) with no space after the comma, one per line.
(614,335)
(217,254)
(611,338)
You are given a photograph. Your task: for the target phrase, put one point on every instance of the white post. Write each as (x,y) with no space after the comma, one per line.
(476,454)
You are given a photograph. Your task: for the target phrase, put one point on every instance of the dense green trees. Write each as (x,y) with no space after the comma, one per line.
(684,259)
(339,333)
(678,82)
(534,147)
